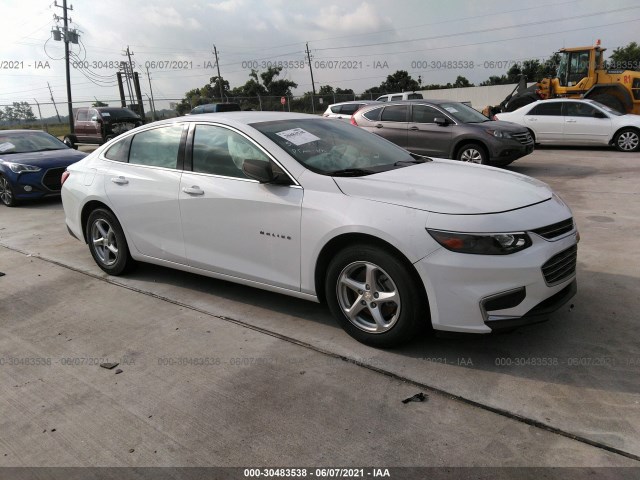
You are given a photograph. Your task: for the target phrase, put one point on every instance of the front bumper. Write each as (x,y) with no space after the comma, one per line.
(462,289)
(505,153)
(539,313)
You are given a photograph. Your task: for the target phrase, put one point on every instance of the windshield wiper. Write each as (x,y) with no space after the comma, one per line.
(414,160)
(46,149)
(350,172)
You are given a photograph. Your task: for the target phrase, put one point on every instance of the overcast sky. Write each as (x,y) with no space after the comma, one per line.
(354,44)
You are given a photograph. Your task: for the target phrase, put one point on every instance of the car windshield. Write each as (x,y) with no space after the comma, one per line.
(463,113)
(118,113)
(24,142)
(333,148)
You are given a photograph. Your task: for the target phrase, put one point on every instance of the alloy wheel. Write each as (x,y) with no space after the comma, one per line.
(6,195)
(368,296)
(104,241)
(471,155)
(628,141)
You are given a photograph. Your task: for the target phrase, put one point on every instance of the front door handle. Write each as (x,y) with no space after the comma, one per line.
(379,125)
(194,190)
(414,128)
(571,121)
(120,180)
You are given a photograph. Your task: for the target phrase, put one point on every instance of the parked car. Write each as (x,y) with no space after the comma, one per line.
(215,108)
(344,110)
(577,122)
(31,165)
(445,129)
(392,97)
(317,209)
(97,125)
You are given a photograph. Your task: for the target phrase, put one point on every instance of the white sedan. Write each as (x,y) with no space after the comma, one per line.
(564,121)
(325,211)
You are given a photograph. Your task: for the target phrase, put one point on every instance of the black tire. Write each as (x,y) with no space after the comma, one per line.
(6,193)
(610,101)
(102,224)
(473,153)
(70,142)
(627,140)
(398,322)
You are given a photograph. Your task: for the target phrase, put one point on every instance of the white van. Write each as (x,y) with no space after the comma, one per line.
(392,97)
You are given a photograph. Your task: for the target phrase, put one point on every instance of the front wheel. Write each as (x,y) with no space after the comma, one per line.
(473,153)
(627,140)
(373,296)
(107,243)
(6,193)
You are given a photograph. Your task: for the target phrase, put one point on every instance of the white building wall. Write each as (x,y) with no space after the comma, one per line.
(479,97)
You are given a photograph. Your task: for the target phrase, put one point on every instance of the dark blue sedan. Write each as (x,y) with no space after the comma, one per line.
(31,165)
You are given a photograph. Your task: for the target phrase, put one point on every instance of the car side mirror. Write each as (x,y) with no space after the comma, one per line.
(441,121)
(96,119)
(599,114)
(264,172)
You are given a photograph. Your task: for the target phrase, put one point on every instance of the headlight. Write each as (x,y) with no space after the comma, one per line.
(19,167)
(499,133)
(482,243)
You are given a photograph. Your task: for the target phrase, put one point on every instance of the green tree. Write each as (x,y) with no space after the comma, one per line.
(495,80)
(276,88)
(215,82)
(400,81)
(629,55)
(98,103)
(462,82)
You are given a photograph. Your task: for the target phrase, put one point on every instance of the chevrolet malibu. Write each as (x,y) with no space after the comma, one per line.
(325,211)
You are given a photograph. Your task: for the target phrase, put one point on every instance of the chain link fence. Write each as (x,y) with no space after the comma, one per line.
(53,116)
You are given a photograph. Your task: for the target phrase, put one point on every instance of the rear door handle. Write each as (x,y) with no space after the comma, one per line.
(413,128)
(194,190)
(379,125)
(532,119)
(571,121)
(120,180)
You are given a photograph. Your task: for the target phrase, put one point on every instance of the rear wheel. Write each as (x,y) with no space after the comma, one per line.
(107,243)
(373,296)
(6,193)
(627,140)
(473,153)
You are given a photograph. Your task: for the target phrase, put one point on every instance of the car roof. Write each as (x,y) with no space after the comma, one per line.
(23,130)
(352,102)
(244,117)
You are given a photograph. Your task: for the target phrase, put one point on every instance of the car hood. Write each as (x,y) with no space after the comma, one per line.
(46,159)
(501,125)
(449,187)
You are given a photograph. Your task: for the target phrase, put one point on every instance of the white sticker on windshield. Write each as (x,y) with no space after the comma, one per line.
(450,109)
(6,146)
(106,114)
(298,136)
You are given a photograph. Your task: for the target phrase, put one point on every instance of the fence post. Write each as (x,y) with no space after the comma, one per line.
(260,102)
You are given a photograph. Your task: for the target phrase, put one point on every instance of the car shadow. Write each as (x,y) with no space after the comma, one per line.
(588,343)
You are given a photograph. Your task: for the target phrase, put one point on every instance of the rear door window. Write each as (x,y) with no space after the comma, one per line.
(550,109)
(157,148)
(395,113)
(373,114)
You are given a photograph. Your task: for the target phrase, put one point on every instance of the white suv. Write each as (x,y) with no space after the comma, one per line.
(392,97)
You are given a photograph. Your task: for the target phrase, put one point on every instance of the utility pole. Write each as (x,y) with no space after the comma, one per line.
(54,102)
(67,39)
(313,85)
(128,53)
(215,52)
(152,101)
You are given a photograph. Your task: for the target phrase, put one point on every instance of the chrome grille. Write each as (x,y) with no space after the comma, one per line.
(555,229)
(524,137)
(53,179)
(561,266)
